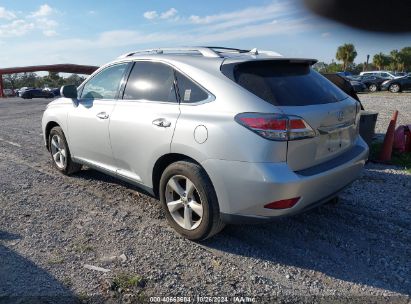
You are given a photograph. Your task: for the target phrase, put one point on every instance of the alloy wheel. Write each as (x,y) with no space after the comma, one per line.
(372,88)
(394,88)
(184,202)
(58,151)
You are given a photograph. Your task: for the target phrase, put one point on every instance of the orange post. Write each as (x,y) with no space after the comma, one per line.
(386,151)
(1,86)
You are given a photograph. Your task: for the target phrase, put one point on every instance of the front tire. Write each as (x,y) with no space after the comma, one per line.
(394,88)
(189,201)
(60,153)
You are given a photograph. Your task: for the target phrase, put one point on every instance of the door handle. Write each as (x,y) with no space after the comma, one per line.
(102,115)
(161,122)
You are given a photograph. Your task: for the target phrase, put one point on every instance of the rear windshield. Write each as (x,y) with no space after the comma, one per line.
(283,83)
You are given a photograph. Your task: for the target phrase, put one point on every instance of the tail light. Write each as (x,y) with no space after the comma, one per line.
(276,126)
(283,204)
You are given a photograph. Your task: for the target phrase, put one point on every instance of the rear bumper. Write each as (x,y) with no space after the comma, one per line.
(237,219)
(244,188)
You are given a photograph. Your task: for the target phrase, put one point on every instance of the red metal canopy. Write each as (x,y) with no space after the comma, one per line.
(63,68)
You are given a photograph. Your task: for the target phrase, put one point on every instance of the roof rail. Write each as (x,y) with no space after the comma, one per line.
(254,51)
(206,52)
(226,49)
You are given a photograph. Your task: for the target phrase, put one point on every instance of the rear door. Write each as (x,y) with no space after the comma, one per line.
(295,89)
(143,121)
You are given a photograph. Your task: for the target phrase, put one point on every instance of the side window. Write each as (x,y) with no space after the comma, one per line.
(152,81)
(188,91)
(105,84)
(385,75)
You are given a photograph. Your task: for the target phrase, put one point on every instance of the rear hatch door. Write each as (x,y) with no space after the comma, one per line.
(335,126)
(293,87)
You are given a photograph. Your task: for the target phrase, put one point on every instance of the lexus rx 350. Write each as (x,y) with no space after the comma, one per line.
(219,135)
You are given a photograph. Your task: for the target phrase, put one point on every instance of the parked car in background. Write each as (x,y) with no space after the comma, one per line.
(36,93)
(8,92)
(21,90)
(344,74)
(358,86)
(373,83)
(397,85)
(219,135)
(401,74)
(56,91)
(381,74)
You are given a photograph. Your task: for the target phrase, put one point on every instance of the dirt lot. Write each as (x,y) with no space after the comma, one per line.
(51,226)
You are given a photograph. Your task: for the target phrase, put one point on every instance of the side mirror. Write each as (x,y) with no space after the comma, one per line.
(69,91)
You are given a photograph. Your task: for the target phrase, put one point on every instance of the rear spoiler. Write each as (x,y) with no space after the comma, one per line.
(240,59)
(228,64)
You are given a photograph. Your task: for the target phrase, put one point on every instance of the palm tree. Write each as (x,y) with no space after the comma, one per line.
(406,57)
(380,60)
(346,53)
(397,60)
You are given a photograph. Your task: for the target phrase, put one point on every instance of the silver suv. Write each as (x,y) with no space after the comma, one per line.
(219,135)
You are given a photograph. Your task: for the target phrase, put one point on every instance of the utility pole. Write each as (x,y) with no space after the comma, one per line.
(366,64)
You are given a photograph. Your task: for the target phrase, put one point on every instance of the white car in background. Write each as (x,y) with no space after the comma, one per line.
(381,74)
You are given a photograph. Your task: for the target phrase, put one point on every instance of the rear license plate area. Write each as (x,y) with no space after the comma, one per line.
(334,142)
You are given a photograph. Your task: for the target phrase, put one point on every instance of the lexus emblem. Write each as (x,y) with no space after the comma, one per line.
(340,115)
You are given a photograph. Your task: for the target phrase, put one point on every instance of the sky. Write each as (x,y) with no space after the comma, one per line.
(93,32)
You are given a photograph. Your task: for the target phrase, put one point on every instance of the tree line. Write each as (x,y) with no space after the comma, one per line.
(52,80)
(396,60)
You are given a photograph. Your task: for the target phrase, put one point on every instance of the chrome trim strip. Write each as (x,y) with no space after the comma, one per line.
(339,127)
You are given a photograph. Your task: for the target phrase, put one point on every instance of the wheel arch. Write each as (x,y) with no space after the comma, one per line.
(163,162)
(50,125)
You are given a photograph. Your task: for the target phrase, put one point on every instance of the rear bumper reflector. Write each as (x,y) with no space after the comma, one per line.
(283,204)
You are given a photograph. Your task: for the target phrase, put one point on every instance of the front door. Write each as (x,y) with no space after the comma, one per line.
(88,122)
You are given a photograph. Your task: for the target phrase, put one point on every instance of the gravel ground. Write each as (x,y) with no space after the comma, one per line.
(51,226)
(385,104)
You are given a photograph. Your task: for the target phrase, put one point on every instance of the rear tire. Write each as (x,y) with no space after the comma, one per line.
(60,153)
(189,201)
